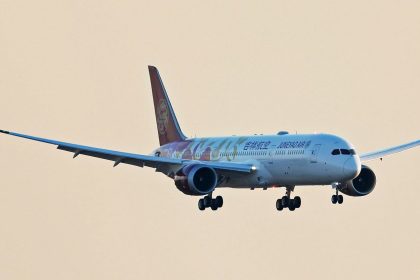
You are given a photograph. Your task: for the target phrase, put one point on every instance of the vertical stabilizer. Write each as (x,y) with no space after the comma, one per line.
(167,124)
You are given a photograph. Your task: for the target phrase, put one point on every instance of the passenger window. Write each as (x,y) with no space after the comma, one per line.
(335,152)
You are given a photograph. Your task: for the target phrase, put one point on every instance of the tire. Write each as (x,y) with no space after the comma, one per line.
(291,205)
(334,199)
(285,201)
(279,206)
(297,202)
(207,201)
(213,205)
(201,205)
(340,199)
(219,201)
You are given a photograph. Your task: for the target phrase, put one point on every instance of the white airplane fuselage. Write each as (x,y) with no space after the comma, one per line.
(279,160)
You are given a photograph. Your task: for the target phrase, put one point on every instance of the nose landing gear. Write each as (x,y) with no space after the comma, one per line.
(208,201)
(337,198)
(287,202)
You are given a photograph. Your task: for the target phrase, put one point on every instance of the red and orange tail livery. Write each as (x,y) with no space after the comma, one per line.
(167,124)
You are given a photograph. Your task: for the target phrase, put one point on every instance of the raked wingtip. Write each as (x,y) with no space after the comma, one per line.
(4,131)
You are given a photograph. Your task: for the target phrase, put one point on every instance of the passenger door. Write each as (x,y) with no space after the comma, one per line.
(314,153)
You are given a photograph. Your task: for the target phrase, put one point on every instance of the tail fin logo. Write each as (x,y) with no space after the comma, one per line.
(167,125)
(162,117)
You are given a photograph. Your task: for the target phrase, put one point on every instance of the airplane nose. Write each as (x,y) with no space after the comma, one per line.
(351,168)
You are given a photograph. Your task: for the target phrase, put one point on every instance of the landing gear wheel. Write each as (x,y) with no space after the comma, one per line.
(288,202)
(285,201)
(334,199)
(201,205)
(279,205)
(340,199)
(207,201)
(292,205)
(297,202)
(219,201)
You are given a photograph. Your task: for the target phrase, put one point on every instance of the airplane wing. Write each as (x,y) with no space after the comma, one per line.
(388,151)
(160,163)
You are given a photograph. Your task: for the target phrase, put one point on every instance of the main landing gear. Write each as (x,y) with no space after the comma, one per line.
(287,202)
(337,198)
(208,201)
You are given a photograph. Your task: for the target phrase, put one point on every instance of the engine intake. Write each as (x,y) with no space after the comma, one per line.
(196,180)
(361,185)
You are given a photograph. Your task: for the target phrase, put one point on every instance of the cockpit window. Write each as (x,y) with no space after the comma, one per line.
(345,151)
(335,152)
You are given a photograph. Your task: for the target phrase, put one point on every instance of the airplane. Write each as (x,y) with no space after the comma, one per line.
(200,165)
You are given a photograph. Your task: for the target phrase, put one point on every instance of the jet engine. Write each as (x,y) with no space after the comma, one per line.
(196,180)
(361,185)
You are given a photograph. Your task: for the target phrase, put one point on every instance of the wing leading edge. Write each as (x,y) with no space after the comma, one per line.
(388,151)
(160,163)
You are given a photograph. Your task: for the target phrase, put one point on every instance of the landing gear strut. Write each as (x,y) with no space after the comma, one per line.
(208,201)
(287,202)
(337,198)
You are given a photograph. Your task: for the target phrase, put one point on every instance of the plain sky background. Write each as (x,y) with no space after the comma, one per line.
(77,71)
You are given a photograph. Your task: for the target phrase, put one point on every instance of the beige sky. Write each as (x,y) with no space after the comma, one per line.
(77,71)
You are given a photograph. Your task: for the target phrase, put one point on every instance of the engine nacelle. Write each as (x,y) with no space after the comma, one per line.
(361,185)
(196,180)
